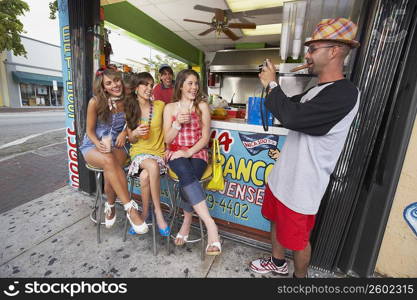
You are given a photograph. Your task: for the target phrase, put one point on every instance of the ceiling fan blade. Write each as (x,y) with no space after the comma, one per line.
(204,8)
(196,21)
(263,11)
(207,31)
(240,16)
(219,15)
(242,25)
(230,34)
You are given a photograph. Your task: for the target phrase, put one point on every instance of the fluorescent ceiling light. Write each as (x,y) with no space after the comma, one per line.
(264,30)
(244,5)
(107,2)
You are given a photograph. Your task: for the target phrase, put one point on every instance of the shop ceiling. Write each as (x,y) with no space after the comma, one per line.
(170,14)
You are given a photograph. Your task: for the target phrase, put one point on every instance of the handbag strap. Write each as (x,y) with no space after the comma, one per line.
(216,151)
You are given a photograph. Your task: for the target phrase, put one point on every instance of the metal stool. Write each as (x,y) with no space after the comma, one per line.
(135,178)
(176,205)
(99,202)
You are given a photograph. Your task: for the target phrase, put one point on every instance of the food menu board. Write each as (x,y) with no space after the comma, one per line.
(247,159)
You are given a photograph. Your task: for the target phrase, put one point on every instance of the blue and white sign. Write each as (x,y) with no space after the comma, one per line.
(247,160)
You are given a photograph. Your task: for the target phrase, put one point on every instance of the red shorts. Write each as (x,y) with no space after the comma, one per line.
(292,228)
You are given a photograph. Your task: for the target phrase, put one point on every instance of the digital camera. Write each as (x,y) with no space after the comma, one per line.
(260,67)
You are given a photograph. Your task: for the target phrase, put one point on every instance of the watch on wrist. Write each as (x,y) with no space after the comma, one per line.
(177,127)
(272,84)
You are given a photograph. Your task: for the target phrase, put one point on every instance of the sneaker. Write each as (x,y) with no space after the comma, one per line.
(266,265)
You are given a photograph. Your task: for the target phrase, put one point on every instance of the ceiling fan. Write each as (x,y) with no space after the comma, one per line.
(220,21)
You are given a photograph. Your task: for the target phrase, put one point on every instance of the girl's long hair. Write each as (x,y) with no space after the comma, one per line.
(130,80)
(103,111)
(179,82)
(132,107)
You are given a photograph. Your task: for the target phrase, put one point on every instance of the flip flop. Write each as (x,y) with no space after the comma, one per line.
(183,237)
(214,244)
(165,232)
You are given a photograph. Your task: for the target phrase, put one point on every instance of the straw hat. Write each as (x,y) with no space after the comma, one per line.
(335,30)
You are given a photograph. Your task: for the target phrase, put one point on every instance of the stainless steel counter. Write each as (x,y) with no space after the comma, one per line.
(241,125)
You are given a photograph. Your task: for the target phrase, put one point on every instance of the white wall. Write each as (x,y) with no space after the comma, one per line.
(42,58)
(398,254)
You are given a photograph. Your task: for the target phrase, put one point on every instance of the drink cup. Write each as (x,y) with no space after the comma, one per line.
(147,134)
(185,111)
(107,141)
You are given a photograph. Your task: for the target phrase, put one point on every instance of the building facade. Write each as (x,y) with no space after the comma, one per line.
(34,80)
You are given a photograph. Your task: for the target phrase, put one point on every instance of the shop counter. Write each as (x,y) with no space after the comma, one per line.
(241,125)
(248,154)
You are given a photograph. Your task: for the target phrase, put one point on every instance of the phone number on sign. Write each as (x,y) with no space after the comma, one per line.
(235,209)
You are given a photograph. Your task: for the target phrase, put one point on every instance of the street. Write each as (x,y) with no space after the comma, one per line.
(21,124)
(33,159)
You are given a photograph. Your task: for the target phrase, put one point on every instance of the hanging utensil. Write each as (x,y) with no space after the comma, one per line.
(231,101)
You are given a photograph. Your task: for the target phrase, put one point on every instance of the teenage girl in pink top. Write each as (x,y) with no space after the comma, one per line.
(187,133)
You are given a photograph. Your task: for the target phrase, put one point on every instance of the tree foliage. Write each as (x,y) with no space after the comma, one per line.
(11,27)
(53,9)
(153,64)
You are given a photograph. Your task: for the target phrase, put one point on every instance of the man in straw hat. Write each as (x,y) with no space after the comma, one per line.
(318,121)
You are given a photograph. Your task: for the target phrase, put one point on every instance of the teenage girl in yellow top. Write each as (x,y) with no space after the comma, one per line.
(144,126)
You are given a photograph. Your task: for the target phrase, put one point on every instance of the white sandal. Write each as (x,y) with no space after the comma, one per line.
(183,237)
(107,212)
(214,244)
(139,229)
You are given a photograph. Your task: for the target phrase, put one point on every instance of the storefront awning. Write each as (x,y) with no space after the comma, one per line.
(26,77)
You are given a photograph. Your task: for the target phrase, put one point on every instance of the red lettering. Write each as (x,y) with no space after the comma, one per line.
(259,196)
(225,140)
(70,132)
(213,134)
(251,192)
(72,145)
(73,167)
(75,179)
(72,155)
(240,191)
(231,190)
(75,185)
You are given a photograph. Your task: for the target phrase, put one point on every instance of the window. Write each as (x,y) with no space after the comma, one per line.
(40,95)
(28,94)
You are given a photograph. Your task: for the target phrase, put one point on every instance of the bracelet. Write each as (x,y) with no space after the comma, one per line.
(177,127)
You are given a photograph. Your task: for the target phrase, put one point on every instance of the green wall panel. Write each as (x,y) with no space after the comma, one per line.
(149,31)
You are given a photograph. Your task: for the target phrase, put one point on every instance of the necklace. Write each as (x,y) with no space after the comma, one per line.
(189,108)
(112,102)
(150,112)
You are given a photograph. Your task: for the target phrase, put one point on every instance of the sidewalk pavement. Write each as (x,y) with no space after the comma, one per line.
(53,236)
(29,175)
(4,109)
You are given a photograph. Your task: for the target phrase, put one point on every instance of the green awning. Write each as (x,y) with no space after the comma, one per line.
(26,77)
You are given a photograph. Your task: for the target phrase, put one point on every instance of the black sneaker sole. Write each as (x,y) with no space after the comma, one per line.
(279,274)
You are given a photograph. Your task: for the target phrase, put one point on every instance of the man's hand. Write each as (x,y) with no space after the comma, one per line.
(268,73)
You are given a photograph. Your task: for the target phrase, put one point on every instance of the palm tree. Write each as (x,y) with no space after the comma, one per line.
(152,64)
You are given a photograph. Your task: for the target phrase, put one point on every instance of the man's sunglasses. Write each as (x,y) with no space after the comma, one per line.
(312,49)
